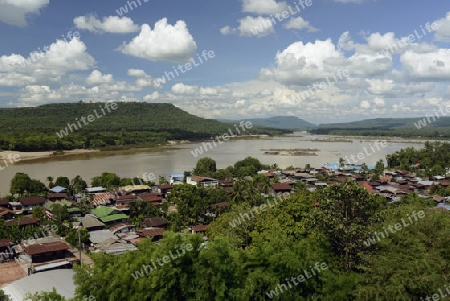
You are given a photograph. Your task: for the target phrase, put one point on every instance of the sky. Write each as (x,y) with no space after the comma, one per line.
(321,60)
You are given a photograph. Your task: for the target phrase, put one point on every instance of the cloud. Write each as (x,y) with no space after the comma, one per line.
(45,67)
(97,78)
(299,23)
(251,27)
(263,7)
(151,97)
(208,91)
(181,88)
(302,64)
(443,30)
(365,104)
(431,66)
(227,30)
(112,24)
(166,42)
(143,79)
(15,12)
(379,102)
(137,73)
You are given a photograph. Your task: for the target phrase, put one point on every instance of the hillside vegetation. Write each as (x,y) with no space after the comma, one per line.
(131,124)
(403,127)
(280,122)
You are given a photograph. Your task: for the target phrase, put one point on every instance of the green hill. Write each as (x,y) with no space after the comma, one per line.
(279,122)
(404,127)
(131,124)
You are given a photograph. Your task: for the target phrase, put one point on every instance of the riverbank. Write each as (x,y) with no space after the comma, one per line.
(29,156)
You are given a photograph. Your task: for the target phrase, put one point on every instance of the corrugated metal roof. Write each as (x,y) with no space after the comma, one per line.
(46,248)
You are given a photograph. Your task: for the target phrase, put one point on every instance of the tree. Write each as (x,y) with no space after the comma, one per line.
(379,167)
(20,183)
(412,262)
(4,297)
(162,180)
(50,182)
(37,187)
(343,214)
(72,236)
(107,180)
(62,181)
(205,167)
(342,162)
(45,296)
(247,167)
(38,212)
(78,184)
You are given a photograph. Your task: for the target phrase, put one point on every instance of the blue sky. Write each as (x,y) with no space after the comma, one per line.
(324,61)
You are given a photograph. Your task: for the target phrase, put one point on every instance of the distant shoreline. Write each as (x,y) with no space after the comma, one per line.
(30,156)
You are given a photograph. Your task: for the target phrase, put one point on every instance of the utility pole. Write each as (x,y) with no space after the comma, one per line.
(79,241)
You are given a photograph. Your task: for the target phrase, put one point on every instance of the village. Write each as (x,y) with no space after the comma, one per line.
(111,231)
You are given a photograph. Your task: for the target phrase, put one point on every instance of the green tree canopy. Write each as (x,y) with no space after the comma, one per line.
(205,167)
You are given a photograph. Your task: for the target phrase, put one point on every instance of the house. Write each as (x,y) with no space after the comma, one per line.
(23,222)
(115,247)
(124,200)
(151,198)
(155,222)
(122,228)
(102,198)
(46,254)
(202,181)
(72,210)
(29,203)
(163,189)
(199,229)
(5,203)
(109,216)
(368,187)
(176,179)
(214,209)
(280,188)
(135,189)
(16,207)
(53,197)
(226,184)
(6,250)
(94,190)
(154,234)
(91,223)
(58,189)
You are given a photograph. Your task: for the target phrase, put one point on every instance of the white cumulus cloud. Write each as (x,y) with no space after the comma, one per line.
(111,24)
(97,78)
(263,7)
(165,42)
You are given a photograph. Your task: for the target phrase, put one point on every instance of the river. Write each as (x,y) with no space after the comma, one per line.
(179,158)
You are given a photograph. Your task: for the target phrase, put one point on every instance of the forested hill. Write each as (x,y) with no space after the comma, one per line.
(405,127)
(280,122)
(130,124)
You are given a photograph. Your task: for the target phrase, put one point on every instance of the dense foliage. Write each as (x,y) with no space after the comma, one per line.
(251,260)
(433,159)
(131,124)
(389,127)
